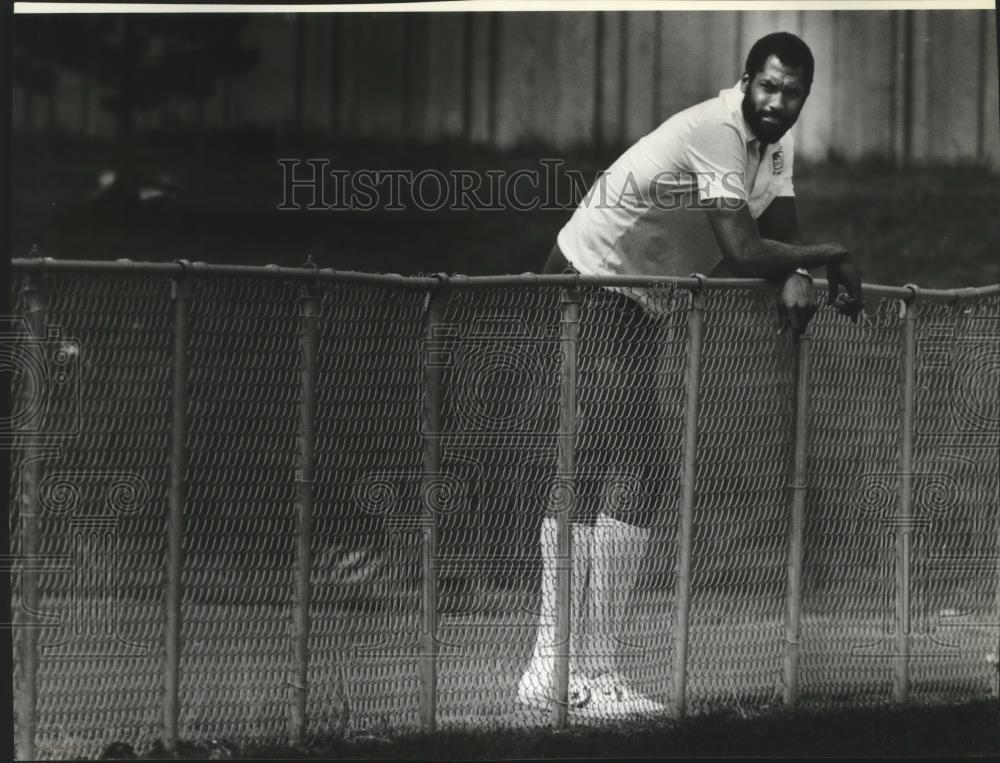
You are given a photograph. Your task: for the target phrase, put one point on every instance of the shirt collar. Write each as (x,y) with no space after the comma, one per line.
(732,98)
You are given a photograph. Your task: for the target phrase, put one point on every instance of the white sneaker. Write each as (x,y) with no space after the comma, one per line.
(606,697)
(612,697)
(534,690)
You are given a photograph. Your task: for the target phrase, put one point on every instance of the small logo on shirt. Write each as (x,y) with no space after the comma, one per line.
(777,162)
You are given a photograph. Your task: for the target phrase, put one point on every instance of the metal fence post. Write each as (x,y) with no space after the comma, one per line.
(310,310)
(566,457)
(796,524)
(904,513)
(432,469)
(33,394)
(181,294)
(685,520)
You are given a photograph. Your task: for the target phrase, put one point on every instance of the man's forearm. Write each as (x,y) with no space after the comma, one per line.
(768,258)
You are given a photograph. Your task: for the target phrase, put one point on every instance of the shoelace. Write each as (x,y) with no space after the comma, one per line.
(616,690)
(611,684)
(580,697)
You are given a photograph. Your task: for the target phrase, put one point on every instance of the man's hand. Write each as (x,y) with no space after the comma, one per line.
(850,301)
(797,303)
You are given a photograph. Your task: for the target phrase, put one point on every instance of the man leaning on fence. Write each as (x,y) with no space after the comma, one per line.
(709,191)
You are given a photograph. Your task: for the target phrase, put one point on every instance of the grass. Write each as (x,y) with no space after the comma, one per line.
(936,227)
(961,730)
(363,702)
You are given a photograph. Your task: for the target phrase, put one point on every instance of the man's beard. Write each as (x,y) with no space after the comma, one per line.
(765,133)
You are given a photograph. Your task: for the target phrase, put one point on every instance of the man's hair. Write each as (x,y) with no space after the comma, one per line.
(789,49)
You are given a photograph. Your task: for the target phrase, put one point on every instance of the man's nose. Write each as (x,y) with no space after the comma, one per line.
(776,103)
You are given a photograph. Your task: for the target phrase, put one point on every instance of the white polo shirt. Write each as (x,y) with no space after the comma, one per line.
(642,216)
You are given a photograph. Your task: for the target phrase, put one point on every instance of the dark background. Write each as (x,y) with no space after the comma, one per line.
(896,150)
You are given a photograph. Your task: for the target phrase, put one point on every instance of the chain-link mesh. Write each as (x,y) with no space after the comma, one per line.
(239,523)
(499,356)
(630,420)
(102,433)
(496,356)
(854,436)
(956,543)
(740,514)
(366,544)
(18,402)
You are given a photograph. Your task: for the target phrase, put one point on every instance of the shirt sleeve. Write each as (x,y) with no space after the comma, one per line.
(783,184)
(716,155)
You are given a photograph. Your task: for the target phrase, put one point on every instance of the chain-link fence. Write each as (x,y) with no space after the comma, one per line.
(262,504)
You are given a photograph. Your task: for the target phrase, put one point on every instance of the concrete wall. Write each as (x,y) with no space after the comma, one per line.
(905,86)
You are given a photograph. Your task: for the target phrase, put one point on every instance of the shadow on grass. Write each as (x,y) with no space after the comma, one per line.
(968,729)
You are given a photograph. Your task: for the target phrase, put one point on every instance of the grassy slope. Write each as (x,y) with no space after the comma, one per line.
(935,227)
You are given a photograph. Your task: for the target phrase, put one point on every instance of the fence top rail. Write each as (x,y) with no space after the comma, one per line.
(184,269)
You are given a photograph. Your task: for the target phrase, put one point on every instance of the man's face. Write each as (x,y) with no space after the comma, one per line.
(773,99)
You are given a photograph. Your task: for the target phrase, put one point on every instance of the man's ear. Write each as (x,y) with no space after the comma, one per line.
(744,81)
